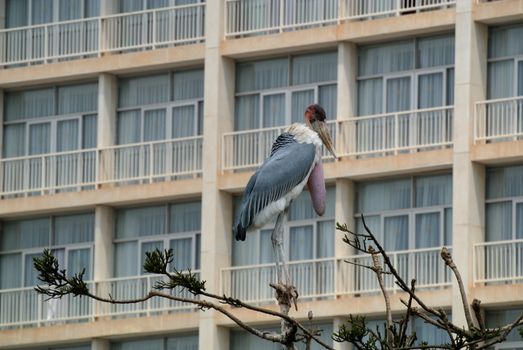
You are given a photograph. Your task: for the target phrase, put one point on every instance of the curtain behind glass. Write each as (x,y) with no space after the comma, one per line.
(77,98)
(505,41)
(16,13)
(29,104)
(266,252)
(262,75)
(128,127)
(396,232)
(89,131)
(143,90)
(71,9)
(79,259)
(314,68)
(30,273)
(10,274)
(136,222)
(500,79)
(183,124)
(383,195)
(301,243)
(273,110)
(450,86)
(185,217)
(495,318)
(188,342)
(154,4)
(246,252)
(24,234)
(498,221)
(131,5)
(301,208)
(433,190)
(328,100)
(398,95)
(125,255)
(300,101)
(183,252)
(14,140)
(42,11)
(386,58)
(39,138)
(370,96)
(188,84)
(73,229)
(247,112)
(435,51)
(428,230)
(67,135)
(430,90)
(154,125)
(504,182)
(325,239)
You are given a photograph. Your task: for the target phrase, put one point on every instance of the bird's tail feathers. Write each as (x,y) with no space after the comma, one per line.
(239,232)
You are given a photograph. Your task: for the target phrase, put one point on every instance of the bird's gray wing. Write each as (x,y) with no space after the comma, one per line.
(286,167)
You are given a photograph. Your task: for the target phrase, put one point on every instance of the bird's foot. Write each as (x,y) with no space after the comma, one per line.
(286,294)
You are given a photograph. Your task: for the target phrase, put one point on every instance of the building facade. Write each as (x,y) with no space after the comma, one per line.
(130,125)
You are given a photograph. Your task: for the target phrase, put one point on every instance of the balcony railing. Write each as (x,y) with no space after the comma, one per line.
(94,36)
(24,307)
(396,132)
(322,278)
(499,261)
(86,169)
(248,149)
(500,119)
(258,17)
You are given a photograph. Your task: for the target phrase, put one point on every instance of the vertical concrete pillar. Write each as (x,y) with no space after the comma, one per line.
(100,344)
(468,178)
(103,254)
(108,7)
(216,205)
(107,104)
(338,321)
(344,215)
(347,103)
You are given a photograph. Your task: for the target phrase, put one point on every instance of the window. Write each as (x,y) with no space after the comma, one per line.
(70,238)
(412,218)
(276,92)
(179,342)
(504,201)
(76,347)
(49,120)
(139,230)
(241,340)
(406,75)
(505,62)
(160,107)
(21,13)
(139,5)
(499,318)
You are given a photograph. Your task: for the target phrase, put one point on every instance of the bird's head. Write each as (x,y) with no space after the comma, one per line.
(315,119)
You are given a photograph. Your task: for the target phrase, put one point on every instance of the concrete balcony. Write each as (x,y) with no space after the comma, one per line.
(92,37)
(498,120)
(332,277)
(90,169)
(498,262)
(24,307)
(394,133)
(262,17)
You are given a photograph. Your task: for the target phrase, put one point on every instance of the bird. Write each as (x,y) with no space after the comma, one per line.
(295,160)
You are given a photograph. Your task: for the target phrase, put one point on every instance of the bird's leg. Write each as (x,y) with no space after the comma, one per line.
(277,246)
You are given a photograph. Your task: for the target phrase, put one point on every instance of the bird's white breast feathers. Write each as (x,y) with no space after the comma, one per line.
(304,134)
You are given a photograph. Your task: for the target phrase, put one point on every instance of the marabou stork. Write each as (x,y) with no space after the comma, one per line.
(295,160)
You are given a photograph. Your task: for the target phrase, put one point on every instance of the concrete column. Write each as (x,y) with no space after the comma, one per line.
(344,215)
(107,103)
(347,94)
(108,7)
(216,205)
(103,255)
(338,321)
(100,344)
(468,178)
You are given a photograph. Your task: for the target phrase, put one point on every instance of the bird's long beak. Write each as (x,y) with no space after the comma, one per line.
(321,128)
